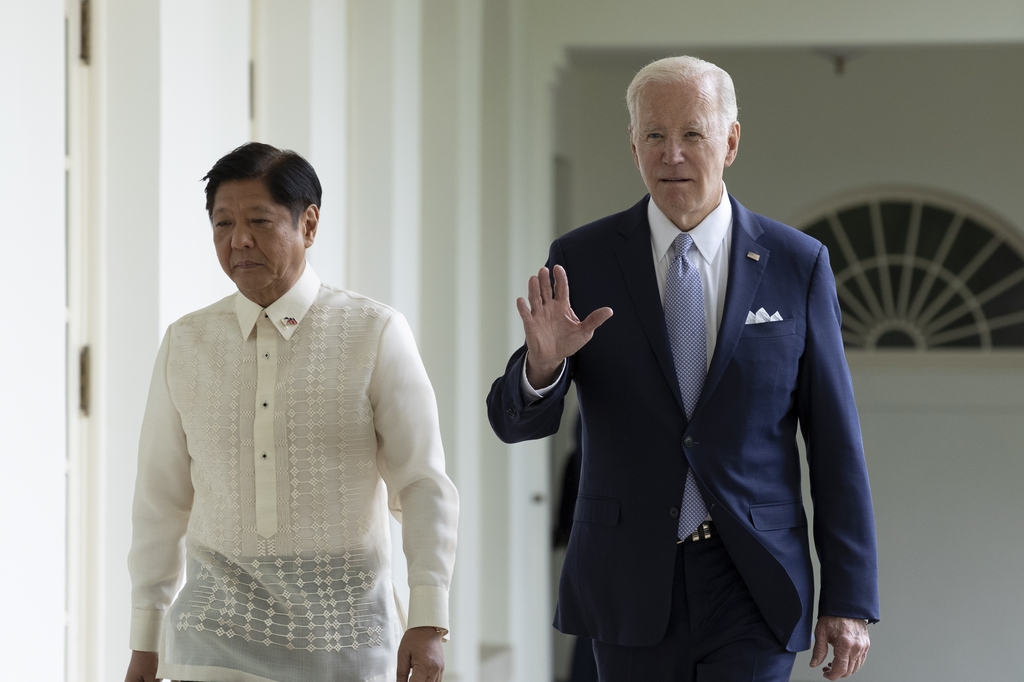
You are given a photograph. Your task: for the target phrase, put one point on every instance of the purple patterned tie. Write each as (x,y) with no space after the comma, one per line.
(684,318)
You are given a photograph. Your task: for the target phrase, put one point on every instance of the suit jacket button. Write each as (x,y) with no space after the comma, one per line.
(688,442)
(673,512)
(511,411)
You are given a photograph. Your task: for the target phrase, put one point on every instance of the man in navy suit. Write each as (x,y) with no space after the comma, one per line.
(689,555)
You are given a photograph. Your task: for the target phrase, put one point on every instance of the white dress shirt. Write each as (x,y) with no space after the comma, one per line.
(712,238)
(275,441)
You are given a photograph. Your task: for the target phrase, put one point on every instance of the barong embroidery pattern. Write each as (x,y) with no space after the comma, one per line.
(310,586)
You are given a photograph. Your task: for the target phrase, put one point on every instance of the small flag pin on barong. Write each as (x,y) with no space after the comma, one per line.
(290,321)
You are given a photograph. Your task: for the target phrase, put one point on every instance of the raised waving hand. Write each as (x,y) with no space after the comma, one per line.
(553,332)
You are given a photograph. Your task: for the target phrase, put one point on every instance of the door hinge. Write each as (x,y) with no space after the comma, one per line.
(85,19)
(84,380)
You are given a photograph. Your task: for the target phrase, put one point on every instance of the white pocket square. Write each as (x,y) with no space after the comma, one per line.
(762,316)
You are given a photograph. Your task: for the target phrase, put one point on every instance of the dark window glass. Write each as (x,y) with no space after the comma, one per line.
(857,224)
(954,305)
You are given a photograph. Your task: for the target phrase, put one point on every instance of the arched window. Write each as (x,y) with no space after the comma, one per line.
(918,270)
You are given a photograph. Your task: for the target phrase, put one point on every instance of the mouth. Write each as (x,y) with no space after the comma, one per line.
(675,180)
(246,265)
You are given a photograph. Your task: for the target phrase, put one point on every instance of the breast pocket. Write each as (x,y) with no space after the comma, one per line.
(767,330)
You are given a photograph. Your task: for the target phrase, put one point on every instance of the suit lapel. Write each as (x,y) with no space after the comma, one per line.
(744,277)
(637,265)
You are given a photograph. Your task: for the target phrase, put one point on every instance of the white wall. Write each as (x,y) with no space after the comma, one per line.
(32,387)
(942,436)
(939,117)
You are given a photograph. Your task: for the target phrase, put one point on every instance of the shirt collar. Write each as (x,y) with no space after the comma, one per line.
(286,312)
(707,235)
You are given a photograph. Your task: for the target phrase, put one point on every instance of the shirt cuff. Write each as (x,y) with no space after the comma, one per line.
(531,394)
(428,607)
(145,630)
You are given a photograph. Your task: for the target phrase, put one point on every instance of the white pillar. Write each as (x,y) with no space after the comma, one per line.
(384,153)
(300,102)
(126,67)
(496,302)
(452,55)
(204,114)
(529,235)
(32,390)
(171,97)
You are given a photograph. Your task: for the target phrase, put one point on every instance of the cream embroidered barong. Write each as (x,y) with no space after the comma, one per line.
(274,442)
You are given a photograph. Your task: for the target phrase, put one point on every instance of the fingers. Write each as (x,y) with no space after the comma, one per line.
(561,291)
(820,650)
(850,643)
(839,667)
(403,668)
(544,275)
(524,310)
(533,293)
(539,289)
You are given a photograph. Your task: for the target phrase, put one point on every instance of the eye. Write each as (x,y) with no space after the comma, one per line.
(654,136)
(222,224)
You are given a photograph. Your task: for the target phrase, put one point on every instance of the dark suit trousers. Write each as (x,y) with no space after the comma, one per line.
(715,631)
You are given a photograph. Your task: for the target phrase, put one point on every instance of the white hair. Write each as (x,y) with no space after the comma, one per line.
(685,69)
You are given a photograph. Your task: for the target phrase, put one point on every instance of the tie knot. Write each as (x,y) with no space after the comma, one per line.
(682,245)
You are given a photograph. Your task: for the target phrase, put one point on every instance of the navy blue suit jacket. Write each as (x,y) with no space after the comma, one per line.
(763,379)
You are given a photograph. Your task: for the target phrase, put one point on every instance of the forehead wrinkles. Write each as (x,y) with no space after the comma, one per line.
(693,105)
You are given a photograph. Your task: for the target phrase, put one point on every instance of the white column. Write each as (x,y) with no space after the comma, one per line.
(496,301)
(32,390)
(452,55)
(530,233)
(126,67)
(384,153)
(204,114)
(300,100)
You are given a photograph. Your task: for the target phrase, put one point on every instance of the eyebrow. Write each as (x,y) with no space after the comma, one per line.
(261,208)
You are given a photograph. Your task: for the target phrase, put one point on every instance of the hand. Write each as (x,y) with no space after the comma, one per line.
(421,654)
(850,643)
(142,667)
(553,332)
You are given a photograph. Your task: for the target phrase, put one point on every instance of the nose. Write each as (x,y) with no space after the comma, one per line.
(673,151)
(241,236)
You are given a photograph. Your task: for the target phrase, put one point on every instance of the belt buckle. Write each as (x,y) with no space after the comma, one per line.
(702,532)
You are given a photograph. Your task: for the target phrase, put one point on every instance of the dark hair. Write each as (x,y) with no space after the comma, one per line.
(289,178)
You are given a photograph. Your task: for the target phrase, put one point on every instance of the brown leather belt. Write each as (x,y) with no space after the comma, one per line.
(705,531)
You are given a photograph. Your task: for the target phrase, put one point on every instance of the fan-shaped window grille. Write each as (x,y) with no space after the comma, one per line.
(917,271)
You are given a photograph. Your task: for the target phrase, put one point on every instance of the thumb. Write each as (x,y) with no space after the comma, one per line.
(596,319)
(820,651)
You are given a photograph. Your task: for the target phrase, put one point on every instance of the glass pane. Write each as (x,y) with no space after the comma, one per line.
(1010,301)
(1008,336)
(896,224)
(934,223)
(999,265)
(857,224)
(895,339)
(971,239)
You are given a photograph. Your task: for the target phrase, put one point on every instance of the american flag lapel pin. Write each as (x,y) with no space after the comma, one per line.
(753,256)
(290,321)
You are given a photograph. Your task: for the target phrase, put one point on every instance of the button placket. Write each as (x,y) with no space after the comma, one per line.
(263,428)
